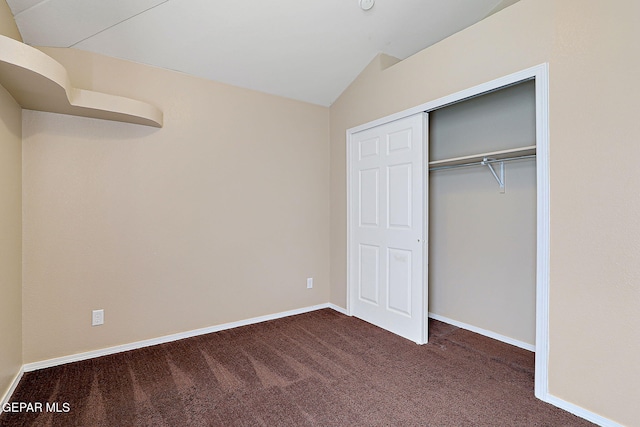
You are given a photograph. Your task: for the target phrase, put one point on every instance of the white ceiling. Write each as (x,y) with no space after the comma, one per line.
(300,49)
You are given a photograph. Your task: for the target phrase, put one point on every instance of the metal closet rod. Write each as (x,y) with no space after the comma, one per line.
(482,162)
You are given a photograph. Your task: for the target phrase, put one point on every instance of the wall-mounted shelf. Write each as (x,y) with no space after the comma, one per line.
(529,150)
(38,82)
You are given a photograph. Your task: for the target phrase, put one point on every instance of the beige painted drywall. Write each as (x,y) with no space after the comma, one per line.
(8,25)
(591,49)
(10,240)
(10,226)
(482,243)
(219,216)
(443,69)
(501,5)
(38,82)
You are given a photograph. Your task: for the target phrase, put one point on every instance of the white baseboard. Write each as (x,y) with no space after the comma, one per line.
(580,412)
(167,338)
(484,332)
(569,407)
(557,402)
(12,388)
(338,309)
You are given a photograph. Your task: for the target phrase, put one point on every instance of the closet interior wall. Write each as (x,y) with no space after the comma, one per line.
(482,243)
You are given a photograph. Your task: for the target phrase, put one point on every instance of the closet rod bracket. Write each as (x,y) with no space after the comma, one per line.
(488,162)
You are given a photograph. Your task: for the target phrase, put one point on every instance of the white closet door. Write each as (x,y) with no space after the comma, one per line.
(387,229)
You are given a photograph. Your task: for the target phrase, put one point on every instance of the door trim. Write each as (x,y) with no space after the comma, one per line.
(540,74)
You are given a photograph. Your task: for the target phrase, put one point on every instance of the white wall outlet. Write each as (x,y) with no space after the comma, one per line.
(97,317)
(309,282)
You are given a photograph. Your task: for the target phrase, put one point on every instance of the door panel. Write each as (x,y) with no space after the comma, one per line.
(369,195)
(369,148)
(399,194)
(387,233)
(399,290)
(369,268)
(399,140)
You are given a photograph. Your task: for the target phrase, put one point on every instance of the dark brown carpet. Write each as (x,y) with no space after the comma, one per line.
(315,369)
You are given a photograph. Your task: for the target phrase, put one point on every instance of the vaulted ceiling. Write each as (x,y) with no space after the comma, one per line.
(301,49)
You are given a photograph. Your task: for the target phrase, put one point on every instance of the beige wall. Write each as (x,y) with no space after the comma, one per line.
(482,243)
(10,226)
(591,48)
(10,240)
(8,25)
(219,216)
(222,214)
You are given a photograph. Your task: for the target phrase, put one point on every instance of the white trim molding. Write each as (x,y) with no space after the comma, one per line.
(581,412)
(574,409)
(12,388)
(338,309)
(543,232)
(485,332)
(167,338)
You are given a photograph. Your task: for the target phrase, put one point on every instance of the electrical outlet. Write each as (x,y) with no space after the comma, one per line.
(309,282)
(97,317)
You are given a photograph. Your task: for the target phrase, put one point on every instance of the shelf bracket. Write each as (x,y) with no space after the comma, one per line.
(488,162)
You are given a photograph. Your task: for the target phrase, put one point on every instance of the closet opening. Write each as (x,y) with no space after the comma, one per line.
(485,210)
(482,214)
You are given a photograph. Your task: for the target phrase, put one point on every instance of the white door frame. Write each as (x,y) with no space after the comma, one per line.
(540,74)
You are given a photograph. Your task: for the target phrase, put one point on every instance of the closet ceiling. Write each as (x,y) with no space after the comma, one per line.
(301,49)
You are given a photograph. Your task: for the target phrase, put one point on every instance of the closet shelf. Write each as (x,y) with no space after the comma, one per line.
(38,82)
(497,155)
